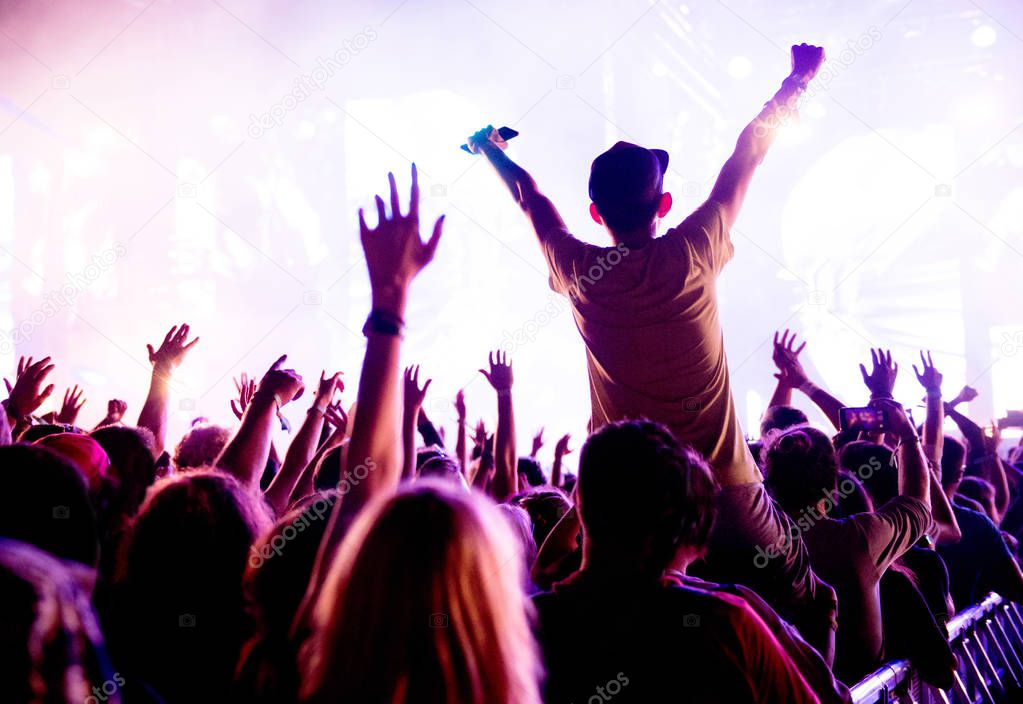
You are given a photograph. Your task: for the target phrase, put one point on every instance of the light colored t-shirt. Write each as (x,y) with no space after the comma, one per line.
(654,347)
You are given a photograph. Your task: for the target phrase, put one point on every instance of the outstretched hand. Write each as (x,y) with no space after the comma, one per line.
(284,384)
(26,395)
(246,388)
(414,393)
(562,448)
(73,403)
(394,250)
(326,388)
(500,374)
(172,350)
(807,60)
(786,357)
(881,379)
(460,405)
(967,394)
(929,377)
(537,443)
(115,411)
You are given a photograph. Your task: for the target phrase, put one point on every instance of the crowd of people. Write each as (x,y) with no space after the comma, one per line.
(377,562)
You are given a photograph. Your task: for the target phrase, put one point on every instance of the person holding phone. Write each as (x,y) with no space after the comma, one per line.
(647,310)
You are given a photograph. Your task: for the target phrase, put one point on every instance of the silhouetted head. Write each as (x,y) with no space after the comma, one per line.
(981,491)
(641,493)
(45,502)
(874,466)
(530,470)
(781,418)
(131,463)
(546,506)
(953,465)
(444,468)
(200,446)
(625,187)
(802,470)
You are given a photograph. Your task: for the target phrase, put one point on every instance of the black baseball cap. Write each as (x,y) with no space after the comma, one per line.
(627,175)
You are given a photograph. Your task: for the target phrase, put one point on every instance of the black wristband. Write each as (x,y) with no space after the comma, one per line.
(384,323)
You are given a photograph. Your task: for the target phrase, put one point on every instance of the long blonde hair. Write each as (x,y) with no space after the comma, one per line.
(424,603)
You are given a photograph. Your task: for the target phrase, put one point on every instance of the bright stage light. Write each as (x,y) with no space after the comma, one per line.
(740,67)
(983,36)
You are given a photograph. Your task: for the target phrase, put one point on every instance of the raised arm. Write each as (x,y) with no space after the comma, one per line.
(165,360)
(303,446)
(506,479)
(413,402)
(791,375)
(560,450)
(755,140)
(914,476)
(395,254)
(246,453)
(337,419)
(983,458)
(26,394)
(460,435)
(538,208)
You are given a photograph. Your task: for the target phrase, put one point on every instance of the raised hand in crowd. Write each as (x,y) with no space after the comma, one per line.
(395,254)
(506,479)
(930,378)
(965,395)
(115,411)
(791,375)
(537,443)
(460,448)
(27,393)
(246,453)
(165,360)
(946,529)
(881,379)
(561,449)
(72,404)
(245,387)
(413,397)
(303,445)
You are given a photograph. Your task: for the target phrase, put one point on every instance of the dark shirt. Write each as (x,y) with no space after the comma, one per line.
(638,642)
(980,562)
(851,554)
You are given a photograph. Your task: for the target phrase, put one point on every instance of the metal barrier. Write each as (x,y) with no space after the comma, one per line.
(987,639)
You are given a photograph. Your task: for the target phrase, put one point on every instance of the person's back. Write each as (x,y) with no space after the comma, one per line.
(851,553)
(654,346)
(618,623)
(647,312)
(653,642)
